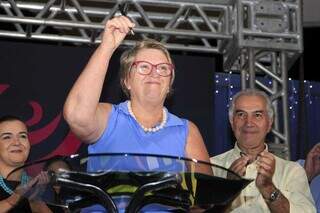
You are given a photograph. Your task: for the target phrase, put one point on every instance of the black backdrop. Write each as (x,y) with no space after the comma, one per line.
(35,79)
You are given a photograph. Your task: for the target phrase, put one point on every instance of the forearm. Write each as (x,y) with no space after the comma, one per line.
(9,203)
(280,204)
(83,99)
(41,207)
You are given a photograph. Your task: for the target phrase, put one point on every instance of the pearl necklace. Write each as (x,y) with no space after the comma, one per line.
(24,180)
(153,129)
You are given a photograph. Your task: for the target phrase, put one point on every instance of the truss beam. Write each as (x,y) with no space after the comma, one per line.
(255,37)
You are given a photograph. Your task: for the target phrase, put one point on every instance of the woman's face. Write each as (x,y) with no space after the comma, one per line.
(152,87)
(14,143)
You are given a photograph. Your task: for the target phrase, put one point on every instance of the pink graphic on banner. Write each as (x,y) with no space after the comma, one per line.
(3,87)
(41,134)
(37,113)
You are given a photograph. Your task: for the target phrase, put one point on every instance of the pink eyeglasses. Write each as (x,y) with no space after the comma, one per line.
(145,68)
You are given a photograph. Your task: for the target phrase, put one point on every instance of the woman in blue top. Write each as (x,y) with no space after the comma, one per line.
(142,124)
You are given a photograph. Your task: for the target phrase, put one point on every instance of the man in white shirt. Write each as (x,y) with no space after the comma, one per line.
(280,185)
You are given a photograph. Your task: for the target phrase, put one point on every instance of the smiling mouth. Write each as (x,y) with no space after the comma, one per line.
(152,82)
(16,151)
(249,132)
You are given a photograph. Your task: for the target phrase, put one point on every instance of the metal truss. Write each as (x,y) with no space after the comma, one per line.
(268,39)
(256,37)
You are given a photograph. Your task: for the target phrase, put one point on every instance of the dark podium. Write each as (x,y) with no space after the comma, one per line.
(127,182)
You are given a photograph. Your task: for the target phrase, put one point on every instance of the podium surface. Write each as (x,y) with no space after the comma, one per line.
(130,182)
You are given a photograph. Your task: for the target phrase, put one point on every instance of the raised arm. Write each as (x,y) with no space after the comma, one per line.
(85,115)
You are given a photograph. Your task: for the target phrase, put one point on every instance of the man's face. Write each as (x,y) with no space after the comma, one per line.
(14,143)
(250,122)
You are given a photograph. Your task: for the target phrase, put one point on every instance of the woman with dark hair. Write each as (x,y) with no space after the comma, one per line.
(59,193)
(54,165)
(14,151)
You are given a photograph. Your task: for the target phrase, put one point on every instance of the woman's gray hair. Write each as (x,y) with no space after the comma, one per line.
(128,57)
(251,92)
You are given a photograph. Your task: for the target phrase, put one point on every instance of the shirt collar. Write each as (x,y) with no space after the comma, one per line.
(237,150)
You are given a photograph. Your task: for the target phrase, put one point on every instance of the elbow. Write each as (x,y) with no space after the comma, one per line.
(79,124)
(69,114)
(75,118)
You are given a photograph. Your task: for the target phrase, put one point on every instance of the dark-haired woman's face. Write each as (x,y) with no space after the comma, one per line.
(14,143)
